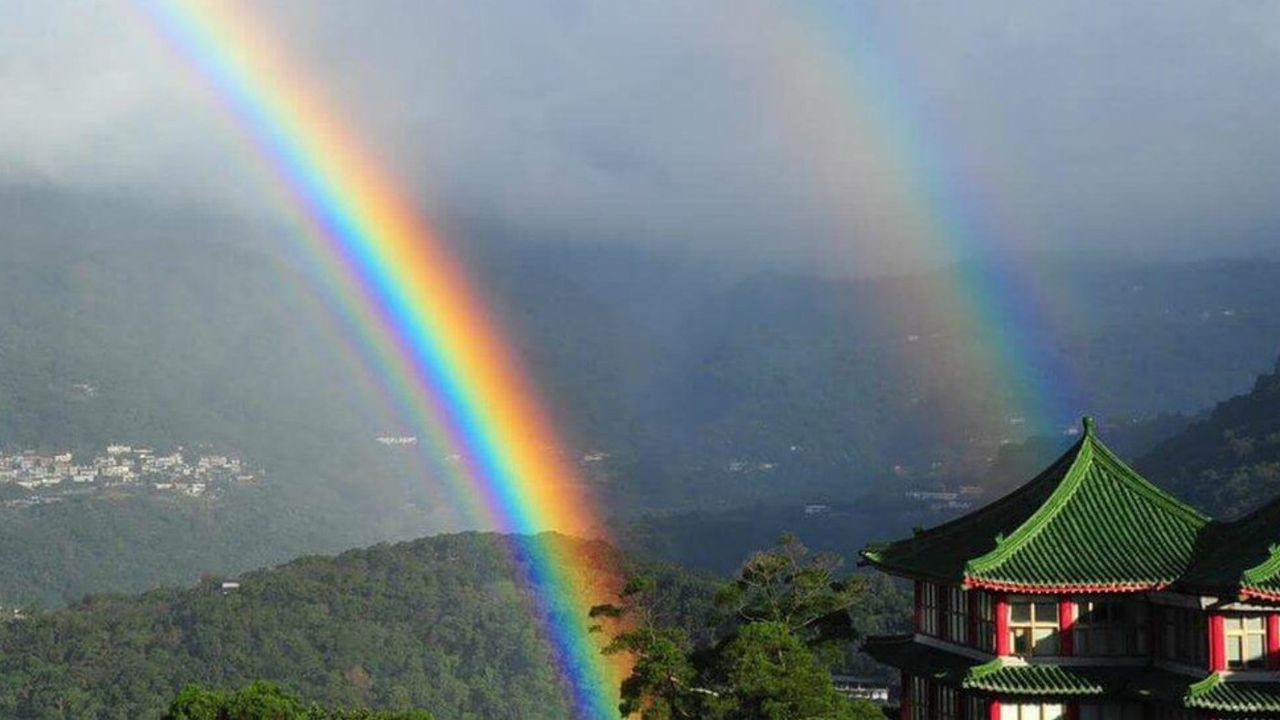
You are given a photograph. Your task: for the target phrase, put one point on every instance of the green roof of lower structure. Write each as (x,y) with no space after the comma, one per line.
(1088,523)
(1027,680)
(1217,694)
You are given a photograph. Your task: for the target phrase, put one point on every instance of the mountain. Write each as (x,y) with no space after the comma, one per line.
(760,389)
(440,624)
(1228,461)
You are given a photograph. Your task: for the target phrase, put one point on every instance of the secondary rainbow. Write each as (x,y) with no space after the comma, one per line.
(434,341)
(857,71)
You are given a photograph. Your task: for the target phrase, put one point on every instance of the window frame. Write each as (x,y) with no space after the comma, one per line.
(1184,635)
(1021,711)
(946,703)
(1124,629)
(1238,639)
(930,608)
(955,614)
(983,607)
(1035,625)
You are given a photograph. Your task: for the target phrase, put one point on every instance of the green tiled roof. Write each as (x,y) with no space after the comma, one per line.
(1049,680)
(1087,523)
(1241,557)
(1219,695)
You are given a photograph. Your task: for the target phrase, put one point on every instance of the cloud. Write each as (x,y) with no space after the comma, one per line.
(830,134)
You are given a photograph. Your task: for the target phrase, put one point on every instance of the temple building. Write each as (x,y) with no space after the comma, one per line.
(1089,594)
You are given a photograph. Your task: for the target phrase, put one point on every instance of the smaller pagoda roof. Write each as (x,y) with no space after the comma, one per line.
(1088,523)
(1240,558)
(999,676)
(1218,694)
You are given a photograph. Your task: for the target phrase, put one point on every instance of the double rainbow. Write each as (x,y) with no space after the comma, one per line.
(428,329)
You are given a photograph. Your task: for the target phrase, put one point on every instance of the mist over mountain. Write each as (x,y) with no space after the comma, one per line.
(676,386)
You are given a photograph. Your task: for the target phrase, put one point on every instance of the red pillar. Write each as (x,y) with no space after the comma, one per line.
(1273,642)
(1073,710)
(906,697)
(993,710)
(1217,644)
(1066,619)
(1002,625)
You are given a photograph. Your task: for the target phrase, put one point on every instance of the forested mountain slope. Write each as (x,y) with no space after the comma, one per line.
(1227,462)
(440,624)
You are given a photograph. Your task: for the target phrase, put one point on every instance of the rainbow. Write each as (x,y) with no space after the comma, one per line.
(842,61)
(432,337)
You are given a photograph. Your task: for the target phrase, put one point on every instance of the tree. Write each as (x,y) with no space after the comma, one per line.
(779,615)
(661,684)
(768,673)
(802,593)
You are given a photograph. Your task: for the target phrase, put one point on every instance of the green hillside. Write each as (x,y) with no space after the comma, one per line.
(440,624)
(1228,461)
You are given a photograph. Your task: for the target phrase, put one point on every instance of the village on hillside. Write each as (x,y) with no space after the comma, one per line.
(51,478)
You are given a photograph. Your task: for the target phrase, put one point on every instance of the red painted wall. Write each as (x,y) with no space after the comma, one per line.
(1002,625)
(1066,619)
(1217,644)
(1273,641)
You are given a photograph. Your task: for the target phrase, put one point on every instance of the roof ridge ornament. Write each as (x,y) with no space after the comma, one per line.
(1090,427)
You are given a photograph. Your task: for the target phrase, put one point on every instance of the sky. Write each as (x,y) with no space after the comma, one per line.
(817,134)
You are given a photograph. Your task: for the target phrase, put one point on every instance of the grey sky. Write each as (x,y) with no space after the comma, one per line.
(727,127)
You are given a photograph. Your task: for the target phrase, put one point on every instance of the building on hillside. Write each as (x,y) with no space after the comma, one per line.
(862,688)
(1089,594)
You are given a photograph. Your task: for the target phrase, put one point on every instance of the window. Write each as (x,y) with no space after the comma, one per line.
(930,609)
(947,706)
(984,606)
(1033,627)
(1111,628)
(978,708)
(1032,712)
(1246,639)
(920,709)
(957,615)
(1110,711)
(1184,636)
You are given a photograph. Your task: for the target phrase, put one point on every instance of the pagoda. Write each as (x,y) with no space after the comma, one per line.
(1089,594)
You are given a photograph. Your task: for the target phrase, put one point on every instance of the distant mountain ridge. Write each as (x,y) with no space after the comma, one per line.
(1228,461)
